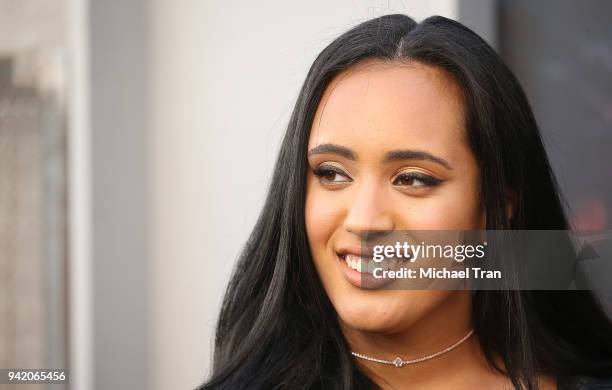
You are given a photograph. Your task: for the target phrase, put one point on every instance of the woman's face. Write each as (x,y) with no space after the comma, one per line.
(387,151)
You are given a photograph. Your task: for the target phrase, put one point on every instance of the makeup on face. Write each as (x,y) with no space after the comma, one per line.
(386,152)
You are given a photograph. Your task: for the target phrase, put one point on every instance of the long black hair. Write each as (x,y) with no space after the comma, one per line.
(277,328)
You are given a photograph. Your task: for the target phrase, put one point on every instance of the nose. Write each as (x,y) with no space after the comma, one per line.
(369,212)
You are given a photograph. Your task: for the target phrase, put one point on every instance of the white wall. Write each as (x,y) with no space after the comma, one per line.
(79,146)
(176,112)
(224,78)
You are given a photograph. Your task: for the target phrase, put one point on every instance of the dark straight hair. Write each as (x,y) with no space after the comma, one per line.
(277,328)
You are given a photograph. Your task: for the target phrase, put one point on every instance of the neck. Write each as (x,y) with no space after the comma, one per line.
(433,332)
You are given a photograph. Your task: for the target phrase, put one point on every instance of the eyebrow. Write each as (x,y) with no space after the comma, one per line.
(394,155)
(332,149)
(408,154)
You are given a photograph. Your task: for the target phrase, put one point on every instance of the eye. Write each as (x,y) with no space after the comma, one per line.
(329,174)
(415,180)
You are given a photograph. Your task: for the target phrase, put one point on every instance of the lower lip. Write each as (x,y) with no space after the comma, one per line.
(362,280)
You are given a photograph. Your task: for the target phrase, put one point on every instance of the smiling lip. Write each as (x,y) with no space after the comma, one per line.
(356,250)
(351,257)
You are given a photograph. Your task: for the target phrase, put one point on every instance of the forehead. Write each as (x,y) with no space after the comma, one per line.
(385,106)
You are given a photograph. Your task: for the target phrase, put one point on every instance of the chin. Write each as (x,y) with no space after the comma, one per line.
(387,311)
(373,323)
(379,315)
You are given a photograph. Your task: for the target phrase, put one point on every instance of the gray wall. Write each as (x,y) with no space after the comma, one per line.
(561,52)
(118,57)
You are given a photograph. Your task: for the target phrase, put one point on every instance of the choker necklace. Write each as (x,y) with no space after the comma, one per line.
(398,362)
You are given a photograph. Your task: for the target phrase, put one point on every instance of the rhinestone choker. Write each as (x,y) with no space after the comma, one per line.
(399,362)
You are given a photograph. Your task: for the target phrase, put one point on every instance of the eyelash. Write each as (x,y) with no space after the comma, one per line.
(428,181)
(322,171)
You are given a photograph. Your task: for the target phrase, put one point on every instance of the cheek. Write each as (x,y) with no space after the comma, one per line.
(464,205)
(323,216)
(457,206)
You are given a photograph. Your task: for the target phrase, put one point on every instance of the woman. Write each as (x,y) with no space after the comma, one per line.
(402,125)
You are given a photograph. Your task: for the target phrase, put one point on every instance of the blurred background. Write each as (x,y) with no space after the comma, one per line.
(137,139)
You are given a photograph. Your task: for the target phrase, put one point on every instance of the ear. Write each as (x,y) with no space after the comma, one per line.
(483,218)
(510,203)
